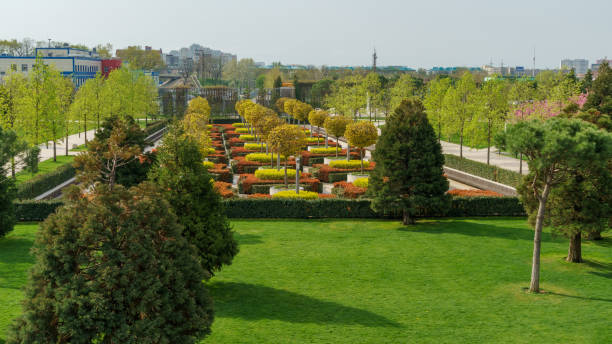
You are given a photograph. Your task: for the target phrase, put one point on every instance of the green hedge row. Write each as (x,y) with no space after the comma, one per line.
(321,208)
(480,169)
(45,182)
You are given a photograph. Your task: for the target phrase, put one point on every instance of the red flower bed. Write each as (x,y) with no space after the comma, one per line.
(248,180)
(306,155)
(350,190)
(235,141)
(219,157)
(474,193)
(259,196)
(224,189)
(218,145)
(231,134)
(325,170)
(241,151)
(224,173)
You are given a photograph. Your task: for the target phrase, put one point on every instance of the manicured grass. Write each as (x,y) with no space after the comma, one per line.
(368,281)
(44,167)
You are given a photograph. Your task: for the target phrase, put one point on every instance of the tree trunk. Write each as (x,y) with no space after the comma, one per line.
(534,286)
(54,151)
(406,218)
(488,144)
(297,175)
(336,149)
(13,167)
(286,182)
(461,143)
(326,145)
(361,158)
(348,152)
(574,253)
(277,161)
(66,144)
(521,163)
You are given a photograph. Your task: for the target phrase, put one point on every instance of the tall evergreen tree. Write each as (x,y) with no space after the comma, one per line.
(408,176)
(600,95)
(187,186)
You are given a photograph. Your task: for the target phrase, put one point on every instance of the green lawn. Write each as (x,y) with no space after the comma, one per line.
(44,167)
(368,281)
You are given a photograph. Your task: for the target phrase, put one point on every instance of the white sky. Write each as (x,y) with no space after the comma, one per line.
(421,33)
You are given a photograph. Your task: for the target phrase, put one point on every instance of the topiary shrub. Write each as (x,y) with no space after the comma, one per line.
(238,125)
(246,137)
(262,157)
(254,146)
(361,182)
(242,130)
(208,164)
(330,150)
(351,164)
(274,174)
(291,194)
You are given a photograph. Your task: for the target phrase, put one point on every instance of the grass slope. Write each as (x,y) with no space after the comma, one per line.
(44,167)
(342,281)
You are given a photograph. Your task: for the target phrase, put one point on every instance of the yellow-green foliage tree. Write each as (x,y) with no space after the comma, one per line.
(336,125)
(361,134)
(195,127)
(317,118)
(289,107)
(287,140)
(280,104)
(199,105)
(301,111)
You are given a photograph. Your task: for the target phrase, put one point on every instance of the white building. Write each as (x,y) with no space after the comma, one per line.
(78,64)
(580,66)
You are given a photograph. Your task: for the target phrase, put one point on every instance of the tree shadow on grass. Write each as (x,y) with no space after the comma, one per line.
(247,239)
(16,251)
(477,229)
(605,269)
(580,297)
(252,302)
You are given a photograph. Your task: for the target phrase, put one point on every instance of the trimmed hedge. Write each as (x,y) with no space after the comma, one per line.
(291,194)
(320,208)
(480,169)
(35,210)
(45,182)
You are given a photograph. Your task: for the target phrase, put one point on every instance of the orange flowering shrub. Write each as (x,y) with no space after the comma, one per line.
(241,151)
(224,189)
(349,190)
(474,193)
(260,196)
(235,141)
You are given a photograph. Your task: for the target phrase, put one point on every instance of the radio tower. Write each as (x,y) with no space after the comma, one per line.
(374,57)
(533,70)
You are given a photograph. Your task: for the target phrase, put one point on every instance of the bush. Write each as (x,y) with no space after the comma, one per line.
(238,125)
(254,146)
(246,137)
(263,157)
(351,164)
(274,174)
(208,164)
(209,150)
(45,182)
(361,182)
(242,130)
(321,208)
(292,195)
(209,126)
(330,150)
(315,140)
(476,168)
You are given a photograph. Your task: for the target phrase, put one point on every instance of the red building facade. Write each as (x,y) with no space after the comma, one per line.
(110,65)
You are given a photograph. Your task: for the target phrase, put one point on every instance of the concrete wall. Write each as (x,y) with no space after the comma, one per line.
(478,182)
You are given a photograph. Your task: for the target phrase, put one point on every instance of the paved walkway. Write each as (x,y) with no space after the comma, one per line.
(46,153)
(480,155)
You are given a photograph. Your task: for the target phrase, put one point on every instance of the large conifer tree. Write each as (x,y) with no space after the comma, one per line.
(408,176)
(113,267)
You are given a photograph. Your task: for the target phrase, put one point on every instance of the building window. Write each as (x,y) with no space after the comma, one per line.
(24,67)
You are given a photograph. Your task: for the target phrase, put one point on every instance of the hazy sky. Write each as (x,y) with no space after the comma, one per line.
(421,33)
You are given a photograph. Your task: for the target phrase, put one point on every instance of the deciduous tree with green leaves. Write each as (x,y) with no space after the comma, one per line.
(434,102)
(361,134)
(287,140)
(336,125)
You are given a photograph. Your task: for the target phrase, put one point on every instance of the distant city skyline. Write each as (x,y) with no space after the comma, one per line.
(416,34)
